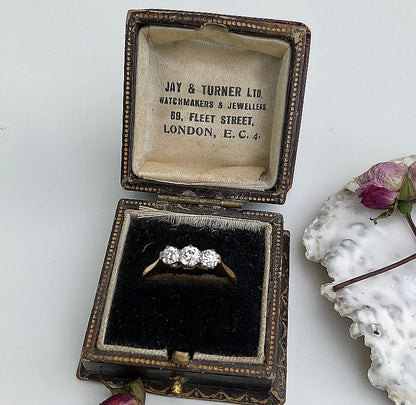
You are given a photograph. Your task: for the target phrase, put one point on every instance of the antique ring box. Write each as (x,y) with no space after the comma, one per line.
(212,110)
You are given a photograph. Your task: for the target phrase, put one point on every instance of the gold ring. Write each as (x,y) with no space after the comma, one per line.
(190,258)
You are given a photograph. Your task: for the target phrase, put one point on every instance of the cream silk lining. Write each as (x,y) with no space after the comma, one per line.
(198,145)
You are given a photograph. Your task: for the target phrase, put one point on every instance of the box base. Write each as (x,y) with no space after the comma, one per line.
(257,380)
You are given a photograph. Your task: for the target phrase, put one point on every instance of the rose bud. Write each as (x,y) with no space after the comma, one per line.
(121,399)
(380,185)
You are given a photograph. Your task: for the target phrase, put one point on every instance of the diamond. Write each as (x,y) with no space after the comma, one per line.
(210,259)
(170,255)
(189,256)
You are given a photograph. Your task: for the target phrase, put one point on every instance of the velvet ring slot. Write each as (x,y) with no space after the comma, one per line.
(182,314)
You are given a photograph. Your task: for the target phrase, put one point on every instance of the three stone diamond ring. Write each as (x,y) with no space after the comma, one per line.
(191,259)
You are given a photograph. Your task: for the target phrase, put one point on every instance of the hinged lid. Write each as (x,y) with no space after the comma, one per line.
(212,105)
(183,199)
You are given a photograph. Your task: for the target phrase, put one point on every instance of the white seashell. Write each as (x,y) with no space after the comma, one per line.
(383,308)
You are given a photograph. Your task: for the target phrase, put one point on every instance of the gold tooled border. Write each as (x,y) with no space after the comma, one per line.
(275,350)
(219,396)
(295,32)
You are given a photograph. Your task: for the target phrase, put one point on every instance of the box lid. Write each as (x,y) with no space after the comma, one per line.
(212,105)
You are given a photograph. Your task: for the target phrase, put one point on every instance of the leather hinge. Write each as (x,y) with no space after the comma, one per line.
(212,202)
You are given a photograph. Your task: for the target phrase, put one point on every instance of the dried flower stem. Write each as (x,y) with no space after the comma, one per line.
(374,273)
(411,223)
(383,269)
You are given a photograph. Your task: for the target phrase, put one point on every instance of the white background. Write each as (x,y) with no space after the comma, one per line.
(61,72)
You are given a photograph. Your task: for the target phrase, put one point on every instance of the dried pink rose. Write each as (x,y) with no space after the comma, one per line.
(129,393)
(380,185)
(387,186)
(121,399)
(375,197)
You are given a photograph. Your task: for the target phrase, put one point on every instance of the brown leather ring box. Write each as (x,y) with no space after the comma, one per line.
(212,110)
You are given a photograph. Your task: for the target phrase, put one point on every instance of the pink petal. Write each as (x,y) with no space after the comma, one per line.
(412,173)
(389,175)
(120,399)
(376,197)
(366,177)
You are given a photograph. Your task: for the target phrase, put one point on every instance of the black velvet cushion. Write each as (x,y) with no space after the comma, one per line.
(188,315)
